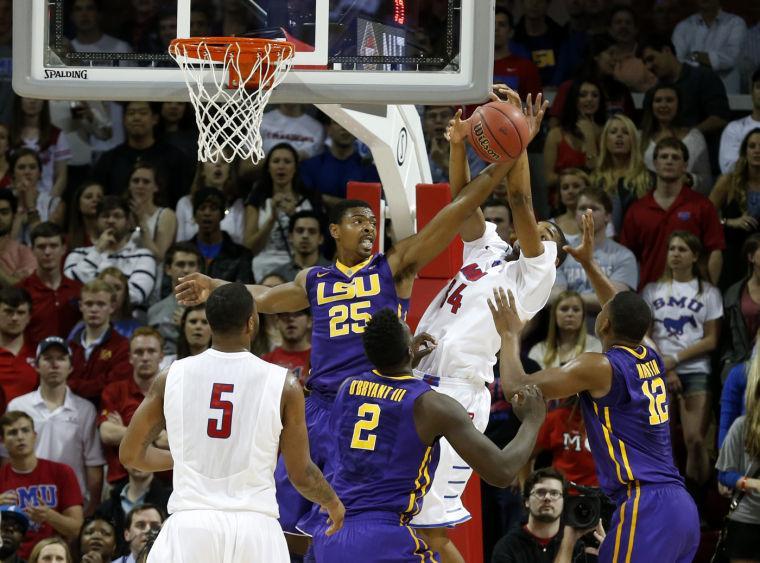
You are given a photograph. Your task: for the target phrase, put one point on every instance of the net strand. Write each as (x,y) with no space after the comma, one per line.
(229,116)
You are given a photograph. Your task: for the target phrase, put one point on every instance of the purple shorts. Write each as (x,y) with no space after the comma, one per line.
(293,506)
(373,538)
(652,523)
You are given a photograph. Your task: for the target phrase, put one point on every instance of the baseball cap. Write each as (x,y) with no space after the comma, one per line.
(48,343)
(13,512)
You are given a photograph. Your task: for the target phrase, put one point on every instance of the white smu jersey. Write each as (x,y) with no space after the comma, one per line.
(680,311)
(459,318)
(223,420)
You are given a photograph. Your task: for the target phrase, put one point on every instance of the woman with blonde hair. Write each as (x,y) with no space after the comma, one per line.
(739,470)
(571,182)
(620,170)
(732,397)
(51,550)
(567,337)
(737,197)
(687,312)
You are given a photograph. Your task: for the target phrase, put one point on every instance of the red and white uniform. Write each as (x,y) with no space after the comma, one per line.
(467,343)
(223,421)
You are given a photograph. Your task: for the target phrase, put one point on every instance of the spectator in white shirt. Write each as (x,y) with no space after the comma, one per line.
(287,123)
(714,39)
(616,261)
(85,15)
(114,248)
(64,421)
(735,131)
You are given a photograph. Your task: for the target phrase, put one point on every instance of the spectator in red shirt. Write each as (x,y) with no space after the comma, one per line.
(295,351)
(564,435)
(47,491)
(121,398)
(672,206)
(100,355)
(517,72)
(55,298)
(17,373)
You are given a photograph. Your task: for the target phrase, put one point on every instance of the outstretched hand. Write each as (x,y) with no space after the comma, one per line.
(457,129)
(504,312)
(193,289)
(584,252)
(533,111)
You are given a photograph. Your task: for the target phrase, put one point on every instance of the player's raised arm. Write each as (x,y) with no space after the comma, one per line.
(518,180)
(284,298)
(305,476)
(410,255)
(459,175)
(436,414)
(136,449)
(588,372)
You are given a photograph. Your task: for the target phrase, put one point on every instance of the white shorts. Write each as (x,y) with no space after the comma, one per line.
(206,536)
(442,505)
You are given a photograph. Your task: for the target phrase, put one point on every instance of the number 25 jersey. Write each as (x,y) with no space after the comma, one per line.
(343,300)
(628,428)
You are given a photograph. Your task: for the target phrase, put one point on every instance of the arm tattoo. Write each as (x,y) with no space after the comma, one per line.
(519,199)
(318,490)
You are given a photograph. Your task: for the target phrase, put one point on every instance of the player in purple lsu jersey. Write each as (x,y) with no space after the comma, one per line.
(343,297)
(387,424)
(624,402)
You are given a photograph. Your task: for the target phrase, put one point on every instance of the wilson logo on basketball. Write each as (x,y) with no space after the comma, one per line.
(484,143)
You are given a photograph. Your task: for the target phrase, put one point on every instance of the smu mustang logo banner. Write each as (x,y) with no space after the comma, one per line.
(675,326)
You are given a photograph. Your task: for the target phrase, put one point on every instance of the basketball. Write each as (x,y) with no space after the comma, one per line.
(498,132)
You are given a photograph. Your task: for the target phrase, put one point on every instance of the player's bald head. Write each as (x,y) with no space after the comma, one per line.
(386,340)
(630,316)
(228,309)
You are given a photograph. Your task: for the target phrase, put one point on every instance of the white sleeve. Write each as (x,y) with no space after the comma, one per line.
(537,353)
(82,264)
(730,142)
(489,240)
(713,303)
(142,278)
(680,39)
(727,56)
(533,280)
(184,219)
(647,294)
(92,448)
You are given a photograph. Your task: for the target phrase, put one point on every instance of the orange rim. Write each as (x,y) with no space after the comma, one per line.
(250,48)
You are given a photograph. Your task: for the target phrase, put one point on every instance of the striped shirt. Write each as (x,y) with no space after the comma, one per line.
(139,265)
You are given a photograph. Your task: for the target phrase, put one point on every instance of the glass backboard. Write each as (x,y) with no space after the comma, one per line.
(347,51)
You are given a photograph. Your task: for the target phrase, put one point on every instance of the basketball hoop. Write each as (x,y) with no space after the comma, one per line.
(230,80)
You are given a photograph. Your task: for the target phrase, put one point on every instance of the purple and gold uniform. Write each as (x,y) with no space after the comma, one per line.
(342,301)
(380,470)
(629,435)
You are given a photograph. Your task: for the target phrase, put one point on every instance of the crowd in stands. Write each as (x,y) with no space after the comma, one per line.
(103,208)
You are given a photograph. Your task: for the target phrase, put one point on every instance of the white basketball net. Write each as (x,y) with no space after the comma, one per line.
(229,115)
